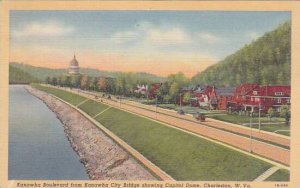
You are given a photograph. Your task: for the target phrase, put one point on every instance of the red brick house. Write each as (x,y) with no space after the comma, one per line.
(240,95)
(267,97)
(251,97)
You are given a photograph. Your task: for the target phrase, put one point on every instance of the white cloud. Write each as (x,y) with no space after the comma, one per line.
(209,38)
(168,36)
(149,34)
(123,37)
(252,35)
(44,29)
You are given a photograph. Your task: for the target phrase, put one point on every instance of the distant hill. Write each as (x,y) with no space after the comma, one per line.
(42,73)
(18,76)
(264,61)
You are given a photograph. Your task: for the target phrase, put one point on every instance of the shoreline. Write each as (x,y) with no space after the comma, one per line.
(102,157)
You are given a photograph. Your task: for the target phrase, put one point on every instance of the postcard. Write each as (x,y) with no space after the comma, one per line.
(194,94)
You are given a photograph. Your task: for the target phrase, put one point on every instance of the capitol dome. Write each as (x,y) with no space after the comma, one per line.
(74,66)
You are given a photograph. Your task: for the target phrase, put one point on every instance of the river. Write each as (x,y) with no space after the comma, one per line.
(38,147)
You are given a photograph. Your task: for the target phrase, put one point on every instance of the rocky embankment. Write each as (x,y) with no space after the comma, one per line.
(102,157)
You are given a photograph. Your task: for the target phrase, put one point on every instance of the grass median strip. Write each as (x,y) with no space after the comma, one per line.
(93,108)
(101,112)
(280,175)
(183,156)
(267,124)
(67,96)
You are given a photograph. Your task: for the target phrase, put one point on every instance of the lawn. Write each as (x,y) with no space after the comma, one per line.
(189,109)
(183,156)
(273,126)
(280,175)
(67,96)
(92,107)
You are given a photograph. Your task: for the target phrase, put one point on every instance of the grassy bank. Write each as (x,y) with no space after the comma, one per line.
(183,156)
(67,96)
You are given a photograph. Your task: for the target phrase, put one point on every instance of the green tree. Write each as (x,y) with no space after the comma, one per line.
(271,112)
(121,84)
(48,80)
(285,113)
(85,82)
(54,81)
(187,97)
(174,90)
(255,62)
(66,80)
(94,83)
(102,84)
(75,81)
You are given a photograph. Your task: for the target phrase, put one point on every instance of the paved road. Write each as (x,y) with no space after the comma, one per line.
(262,135)
(261,148)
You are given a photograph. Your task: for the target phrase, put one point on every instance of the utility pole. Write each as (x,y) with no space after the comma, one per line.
(156,105)
(259,109)
(180,101)
(251,134)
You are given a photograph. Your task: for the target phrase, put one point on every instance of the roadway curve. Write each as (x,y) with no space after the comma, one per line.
(258,147)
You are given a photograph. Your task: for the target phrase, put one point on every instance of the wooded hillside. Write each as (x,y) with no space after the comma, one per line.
(264,61)
(18,76)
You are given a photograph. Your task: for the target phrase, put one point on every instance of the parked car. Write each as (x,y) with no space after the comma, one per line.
(199,116)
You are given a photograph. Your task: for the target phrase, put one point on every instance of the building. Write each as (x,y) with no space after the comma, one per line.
(252,97)
(214,98)
(224,95)
(240,96)
(267,97)
(141,89)
(74,66)
(153,90)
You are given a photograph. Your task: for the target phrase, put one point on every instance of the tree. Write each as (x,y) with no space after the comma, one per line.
(48,80)
(111,85)
(255,62)
(95,83)
(187,97)
(174,90)
(66,80)
(121,84)
(54,81)
(285,113)
(271,112)
(75,81)
(85,82)
(102,84)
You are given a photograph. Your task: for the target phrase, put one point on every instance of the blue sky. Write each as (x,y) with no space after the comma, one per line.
(112,40)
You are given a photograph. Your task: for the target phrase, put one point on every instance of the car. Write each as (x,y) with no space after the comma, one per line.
(199,116)
(181,112)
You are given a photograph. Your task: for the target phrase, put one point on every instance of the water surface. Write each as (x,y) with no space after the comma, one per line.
(38,147)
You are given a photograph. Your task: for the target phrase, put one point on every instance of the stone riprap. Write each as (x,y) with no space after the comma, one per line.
(102,157)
